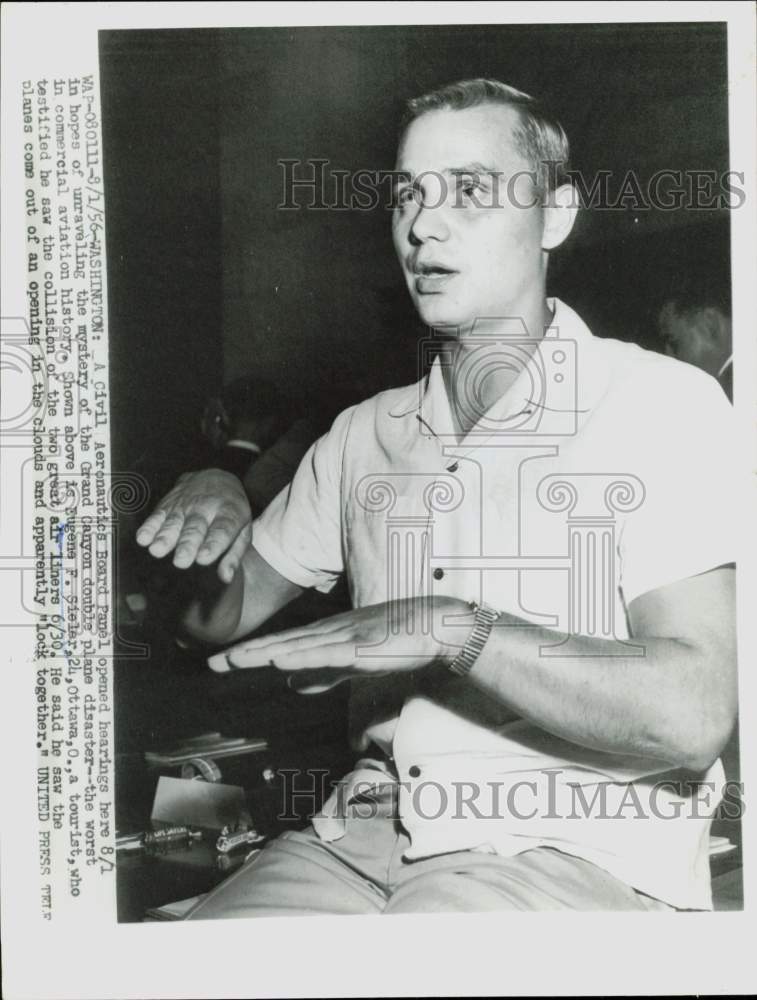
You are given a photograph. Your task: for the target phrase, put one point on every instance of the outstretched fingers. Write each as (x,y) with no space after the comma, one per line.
(167,536)
(308,633)
(300,653)
(151,526)
(219,535)
(233,557)
(201,519)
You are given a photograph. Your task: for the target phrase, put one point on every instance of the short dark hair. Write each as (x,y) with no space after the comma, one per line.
(698,285)
(539,135)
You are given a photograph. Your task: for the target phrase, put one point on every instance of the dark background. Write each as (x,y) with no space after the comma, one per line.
(208,280)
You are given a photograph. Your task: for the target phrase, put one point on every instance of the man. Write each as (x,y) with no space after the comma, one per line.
(695,324)
(555,743)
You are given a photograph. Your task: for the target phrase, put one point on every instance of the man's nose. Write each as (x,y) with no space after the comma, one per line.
(429,222)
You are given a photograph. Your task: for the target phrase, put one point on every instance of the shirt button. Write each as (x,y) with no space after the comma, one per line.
(438,573)
(453,468)
(414,771)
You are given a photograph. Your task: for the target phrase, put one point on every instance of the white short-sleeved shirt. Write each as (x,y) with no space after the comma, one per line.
(604,472)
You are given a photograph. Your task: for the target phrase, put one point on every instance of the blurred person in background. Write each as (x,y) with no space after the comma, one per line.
(694,323)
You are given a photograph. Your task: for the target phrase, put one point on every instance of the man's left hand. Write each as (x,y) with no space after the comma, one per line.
(397,636)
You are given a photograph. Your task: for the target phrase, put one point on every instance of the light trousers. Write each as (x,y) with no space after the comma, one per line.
(364,872)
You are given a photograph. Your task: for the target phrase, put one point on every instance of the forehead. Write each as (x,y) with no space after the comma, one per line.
(444,139)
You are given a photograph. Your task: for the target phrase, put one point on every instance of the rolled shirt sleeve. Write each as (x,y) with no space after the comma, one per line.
(687,522)
(299,533)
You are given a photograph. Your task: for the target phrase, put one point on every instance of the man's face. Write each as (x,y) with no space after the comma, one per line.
(469,246)
(700,336)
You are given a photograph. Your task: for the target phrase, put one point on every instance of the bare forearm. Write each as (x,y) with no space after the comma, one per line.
(213,610)
(223,613)
(660,703)
(225,589)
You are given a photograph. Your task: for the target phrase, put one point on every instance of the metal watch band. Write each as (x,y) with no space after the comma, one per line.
(482,626)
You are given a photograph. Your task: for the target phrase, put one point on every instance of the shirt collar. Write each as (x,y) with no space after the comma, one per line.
(539,383)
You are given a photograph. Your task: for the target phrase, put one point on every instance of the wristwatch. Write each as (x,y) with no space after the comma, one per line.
(485,617)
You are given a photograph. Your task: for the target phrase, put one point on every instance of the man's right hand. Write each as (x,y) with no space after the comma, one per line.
(205,516)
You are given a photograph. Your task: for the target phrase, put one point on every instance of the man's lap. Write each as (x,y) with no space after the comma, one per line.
(364,872)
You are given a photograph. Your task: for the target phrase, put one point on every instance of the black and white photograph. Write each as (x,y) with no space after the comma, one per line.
(405,452)
(270,288)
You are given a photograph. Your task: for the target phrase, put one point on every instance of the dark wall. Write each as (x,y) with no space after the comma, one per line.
(161,94)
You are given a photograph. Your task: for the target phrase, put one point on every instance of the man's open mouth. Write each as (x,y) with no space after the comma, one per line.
(432,270)
(432,278)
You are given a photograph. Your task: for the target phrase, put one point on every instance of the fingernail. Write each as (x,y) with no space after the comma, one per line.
(220,663)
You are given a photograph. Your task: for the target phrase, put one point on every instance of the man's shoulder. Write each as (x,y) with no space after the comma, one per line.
(651,381)
(398,400)
(384,407)
(374,428)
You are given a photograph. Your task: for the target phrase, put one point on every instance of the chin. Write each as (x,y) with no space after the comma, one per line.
(436,312)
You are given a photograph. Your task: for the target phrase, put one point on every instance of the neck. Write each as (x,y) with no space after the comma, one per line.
(468,360)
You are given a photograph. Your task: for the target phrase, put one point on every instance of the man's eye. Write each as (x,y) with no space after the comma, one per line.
(405,196)
(470,188)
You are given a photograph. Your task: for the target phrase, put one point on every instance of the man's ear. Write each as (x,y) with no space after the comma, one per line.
(718,326)
(560,213)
